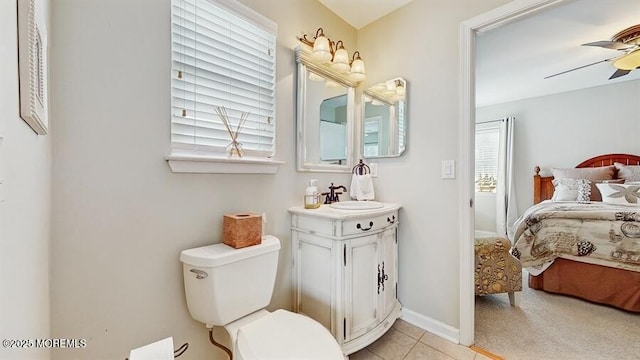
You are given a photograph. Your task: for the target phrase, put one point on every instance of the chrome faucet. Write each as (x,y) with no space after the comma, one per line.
(332,196)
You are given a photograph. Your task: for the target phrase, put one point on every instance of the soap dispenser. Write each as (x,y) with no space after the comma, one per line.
(311,195)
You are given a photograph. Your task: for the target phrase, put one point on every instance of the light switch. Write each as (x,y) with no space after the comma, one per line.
(374,169)
(448,169)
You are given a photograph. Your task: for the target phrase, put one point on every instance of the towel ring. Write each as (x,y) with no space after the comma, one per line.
(361,168)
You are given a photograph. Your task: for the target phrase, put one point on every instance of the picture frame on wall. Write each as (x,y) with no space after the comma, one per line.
(33,64)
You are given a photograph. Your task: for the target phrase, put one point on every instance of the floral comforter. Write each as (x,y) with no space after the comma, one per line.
(593,232)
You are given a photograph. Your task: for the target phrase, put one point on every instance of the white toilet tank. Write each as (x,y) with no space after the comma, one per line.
(223,284)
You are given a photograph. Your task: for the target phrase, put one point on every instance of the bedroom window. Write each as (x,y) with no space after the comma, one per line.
(223,62)
(486,169)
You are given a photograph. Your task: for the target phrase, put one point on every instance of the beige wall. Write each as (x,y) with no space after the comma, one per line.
(25,166)
(562,130)
(420,42)
(120,217)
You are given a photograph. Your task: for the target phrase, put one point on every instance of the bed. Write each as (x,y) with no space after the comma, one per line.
(596,255)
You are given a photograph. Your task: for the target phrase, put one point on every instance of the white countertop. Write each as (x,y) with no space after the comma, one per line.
(326,211)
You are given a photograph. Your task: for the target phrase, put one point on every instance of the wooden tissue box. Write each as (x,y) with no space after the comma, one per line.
(241,230)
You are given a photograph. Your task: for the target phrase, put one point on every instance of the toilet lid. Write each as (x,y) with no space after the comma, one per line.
(283,335)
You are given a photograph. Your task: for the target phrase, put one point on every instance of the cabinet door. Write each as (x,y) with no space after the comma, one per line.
(316,279)
(361,279)
(389,273)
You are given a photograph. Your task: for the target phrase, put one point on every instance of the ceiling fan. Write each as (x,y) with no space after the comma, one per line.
(627,40)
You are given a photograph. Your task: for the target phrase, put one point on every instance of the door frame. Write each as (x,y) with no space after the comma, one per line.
(469,29)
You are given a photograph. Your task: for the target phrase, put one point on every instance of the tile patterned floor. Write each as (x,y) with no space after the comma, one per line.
(407,342)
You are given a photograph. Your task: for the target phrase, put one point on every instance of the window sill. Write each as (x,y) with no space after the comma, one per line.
(211,165)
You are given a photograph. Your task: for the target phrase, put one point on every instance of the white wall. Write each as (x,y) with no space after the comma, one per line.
(25,163)
(565,129)
(120,217)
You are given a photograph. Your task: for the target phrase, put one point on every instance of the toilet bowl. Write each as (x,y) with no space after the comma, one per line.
(231,287)
(283,335)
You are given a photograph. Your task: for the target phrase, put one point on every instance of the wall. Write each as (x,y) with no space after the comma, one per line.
(25,164)
(564,129)
(420,42)
(120,217)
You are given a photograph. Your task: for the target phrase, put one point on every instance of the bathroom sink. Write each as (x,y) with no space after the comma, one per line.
(357,205)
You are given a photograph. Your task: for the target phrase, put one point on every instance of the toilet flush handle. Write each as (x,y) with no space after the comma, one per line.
(199,273)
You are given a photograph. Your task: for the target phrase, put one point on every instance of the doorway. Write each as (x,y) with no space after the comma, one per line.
(469,30)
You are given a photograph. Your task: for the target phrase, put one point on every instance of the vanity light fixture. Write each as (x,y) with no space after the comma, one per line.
(315,77)
(334,53)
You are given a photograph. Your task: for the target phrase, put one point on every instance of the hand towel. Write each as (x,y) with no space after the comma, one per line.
(362,187)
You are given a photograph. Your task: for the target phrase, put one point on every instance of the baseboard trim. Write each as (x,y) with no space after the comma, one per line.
(431,325)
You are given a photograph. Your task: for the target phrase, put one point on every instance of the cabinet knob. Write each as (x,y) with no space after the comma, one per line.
(391,220)
(358,226)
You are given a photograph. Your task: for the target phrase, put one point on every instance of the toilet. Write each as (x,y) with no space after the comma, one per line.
(231,287)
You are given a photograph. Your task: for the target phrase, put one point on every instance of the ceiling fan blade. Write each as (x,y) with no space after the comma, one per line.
(580,67)
(619,73)
(615,45)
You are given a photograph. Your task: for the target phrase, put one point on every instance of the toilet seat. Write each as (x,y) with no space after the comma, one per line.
(283,335)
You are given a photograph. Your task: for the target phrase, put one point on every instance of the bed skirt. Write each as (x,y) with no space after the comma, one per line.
(600,284)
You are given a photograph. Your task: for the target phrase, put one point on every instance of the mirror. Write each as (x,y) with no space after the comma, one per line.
(384,119)
(325,119)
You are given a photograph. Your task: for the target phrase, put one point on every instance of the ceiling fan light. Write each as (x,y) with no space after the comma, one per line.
(630,61)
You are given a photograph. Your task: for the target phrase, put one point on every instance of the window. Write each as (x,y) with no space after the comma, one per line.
(487,144)
(223,54)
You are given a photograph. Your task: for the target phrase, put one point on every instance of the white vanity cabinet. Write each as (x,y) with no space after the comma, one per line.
(345,265)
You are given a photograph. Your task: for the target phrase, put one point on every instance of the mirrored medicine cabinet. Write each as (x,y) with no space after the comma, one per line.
(384,119)
(326,118)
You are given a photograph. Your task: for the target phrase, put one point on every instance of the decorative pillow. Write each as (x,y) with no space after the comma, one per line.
(593,174)
(571,190)
(628,172)
(620,193)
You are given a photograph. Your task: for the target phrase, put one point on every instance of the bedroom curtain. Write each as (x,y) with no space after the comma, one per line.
(506,205)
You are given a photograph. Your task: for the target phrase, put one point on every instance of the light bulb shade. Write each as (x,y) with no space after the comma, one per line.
(315,77)
(357,70)
(321,49)
(331,84)
(341,61)
(631,61)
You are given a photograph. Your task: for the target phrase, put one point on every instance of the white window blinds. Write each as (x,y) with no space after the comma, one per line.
(487,142)
(223,54)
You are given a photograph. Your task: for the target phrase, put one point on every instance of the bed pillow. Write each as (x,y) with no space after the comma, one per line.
(571,190)
(628,172)
(593,174)
(620,193)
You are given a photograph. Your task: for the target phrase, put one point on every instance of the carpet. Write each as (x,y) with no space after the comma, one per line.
(549,326)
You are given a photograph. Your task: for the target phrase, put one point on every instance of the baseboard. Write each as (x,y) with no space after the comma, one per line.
(433,326)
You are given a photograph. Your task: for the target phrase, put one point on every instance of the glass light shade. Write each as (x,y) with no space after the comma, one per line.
(315,77)
(331,84)
(357,70)
(631,61)
(341,61)
(321,49)
(389,88)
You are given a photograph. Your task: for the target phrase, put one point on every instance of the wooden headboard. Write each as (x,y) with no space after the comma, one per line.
(543,187)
